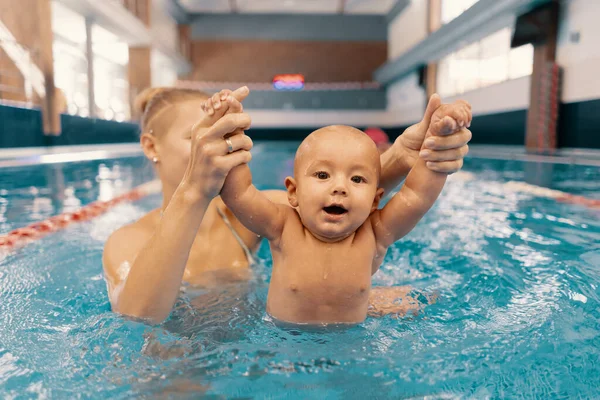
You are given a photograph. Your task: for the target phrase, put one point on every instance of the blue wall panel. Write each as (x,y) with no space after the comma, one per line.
(290,27)
(366,99)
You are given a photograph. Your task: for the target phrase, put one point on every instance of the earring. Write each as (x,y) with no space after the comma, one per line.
(154,160)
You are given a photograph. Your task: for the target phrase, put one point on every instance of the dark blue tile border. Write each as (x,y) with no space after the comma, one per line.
(22,127)
(579,126)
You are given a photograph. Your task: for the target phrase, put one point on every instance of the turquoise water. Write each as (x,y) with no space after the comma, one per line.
(517,278)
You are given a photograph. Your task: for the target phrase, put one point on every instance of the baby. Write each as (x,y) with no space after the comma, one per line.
(332,237)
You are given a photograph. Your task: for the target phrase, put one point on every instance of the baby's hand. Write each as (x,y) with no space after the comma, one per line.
(445,121)
(449,118)
(221,103)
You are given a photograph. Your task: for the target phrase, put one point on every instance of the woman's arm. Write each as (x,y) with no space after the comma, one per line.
(146,285)
(422,186)
(446,152)
(152,284)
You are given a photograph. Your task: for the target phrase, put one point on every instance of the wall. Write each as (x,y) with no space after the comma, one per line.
(406,98)
(499,110)
(255,48)
(22,27)
(408,28)
(261,60)
(12,82)
(506,96)
(164,73)
(579,55)
(580,58)
(163,25)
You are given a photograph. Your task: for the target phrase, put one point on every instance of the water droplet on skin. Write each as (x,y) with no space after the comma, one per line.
(326,271)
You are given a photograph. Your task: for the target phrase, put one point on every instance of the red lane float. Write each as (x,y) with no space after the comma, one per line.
(584,201)
(557,195)
(36,230)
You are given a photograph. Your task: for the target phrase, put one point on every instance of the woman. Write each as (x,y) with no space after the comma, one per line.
(193,237)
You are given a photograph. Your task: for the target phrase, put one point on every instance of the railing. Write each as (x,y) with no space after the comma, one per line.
(210,86)
(314,96)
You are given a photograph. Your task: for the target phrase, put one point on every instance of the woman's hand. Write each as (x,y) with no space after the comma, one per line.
(445,153)
(213,153)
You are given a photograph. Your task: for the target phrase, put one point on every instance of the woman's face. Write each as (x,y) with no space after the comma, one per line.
(173,145)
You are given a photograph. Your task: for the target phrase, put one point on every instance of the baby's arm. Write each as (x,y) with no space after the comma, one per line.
(422,186)
(252,207)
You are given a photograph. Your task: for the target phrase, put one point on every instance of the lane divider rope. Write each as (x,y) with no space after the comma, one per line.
(37,230)
(557,195)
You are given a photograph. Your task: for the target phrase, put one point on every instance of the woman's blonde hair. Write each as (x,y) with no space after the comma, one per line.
(154,101)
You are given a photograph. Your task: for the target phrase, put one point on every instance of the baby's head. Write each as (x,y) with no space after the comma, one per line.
(336,181)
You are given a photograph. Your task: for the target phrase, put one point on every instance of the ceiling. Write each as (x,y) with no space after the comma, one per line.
(347,7)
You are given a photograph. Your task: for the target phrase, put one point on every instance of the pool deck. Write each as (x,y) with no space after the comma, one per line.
(573,156)
(18,157)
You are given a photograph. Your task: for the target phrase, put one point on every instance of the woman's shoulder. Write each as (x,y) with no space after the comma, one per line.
(124,243)
(143,227)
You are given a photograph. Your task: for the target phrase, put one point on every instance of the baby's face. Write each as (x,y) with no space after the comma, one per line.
(337,177)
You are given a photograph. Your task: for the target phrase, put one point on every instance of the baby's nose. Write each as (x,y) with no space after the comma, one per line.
(339,190)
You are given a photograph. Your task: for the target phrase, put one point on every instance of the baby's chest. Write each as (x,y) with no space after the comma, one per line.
(321,272)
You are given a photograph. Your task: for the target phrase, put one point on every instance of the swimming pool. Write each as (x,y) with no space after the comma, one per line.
(517,278)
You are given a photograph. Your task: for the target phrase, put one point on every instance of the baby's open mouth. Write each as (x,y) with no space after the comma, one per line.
(335,210)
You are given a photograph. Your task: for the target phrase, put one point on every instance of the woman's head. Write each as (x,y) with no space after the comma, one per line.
(167,117)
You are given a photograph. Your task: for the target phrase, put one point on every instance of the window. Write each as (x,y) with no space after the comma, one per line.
(484,63)
(111,88)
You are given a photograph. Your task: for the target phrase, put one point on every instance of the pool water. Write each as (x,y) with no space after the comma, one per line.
(517,315)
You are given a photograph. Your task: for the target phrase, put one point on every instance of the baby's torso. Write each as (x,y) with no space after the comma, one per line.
(315,282)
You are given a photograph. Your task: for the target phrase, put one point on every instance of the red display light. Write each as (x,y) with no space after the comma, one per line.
(288,82)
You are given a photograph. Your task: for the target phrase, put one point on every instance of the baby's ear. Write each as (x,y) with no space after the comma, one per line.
(377,199)
(290,185)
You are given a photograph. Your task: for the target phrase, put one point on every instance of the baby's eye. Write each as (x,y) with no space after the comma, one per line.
(358,179)
(322,175)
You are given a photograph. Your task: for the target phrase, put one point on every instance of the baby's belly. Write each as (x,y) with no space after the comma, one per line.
(318,305)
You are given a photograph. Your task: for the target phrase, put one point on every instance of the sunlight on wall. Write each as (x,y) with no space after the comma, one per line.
(34,79)
(484,63)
